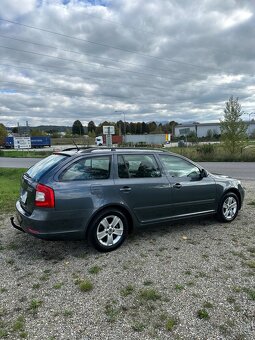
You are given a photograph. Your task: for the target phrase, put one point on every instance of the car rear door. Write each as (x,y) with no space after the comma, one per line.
(84,185)
(142,187)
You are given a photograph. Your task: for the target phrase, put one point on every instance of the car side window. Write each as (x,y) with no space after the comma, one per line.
(137,166)
(178,167)
(88,169)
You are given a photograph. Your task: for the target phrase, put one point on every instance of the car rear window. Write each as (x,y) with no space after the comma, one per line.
(91,168)
(45,165)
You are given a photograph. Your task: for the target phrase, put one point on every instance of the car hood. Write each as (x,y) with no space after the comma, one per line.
(220,176)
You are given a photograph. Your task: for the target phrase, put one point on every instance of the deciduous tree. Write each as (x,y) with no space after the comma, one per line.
(233,128)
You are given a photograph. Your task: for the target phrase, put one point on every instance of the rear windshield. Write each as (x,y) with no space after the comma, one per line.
(46,164)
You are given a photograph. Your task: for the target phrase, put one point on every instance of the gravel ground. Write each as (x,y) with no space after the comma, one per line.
(192,280)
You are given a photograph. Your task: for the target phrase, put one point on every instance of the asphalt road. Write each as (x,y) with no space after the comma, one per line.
(241,170)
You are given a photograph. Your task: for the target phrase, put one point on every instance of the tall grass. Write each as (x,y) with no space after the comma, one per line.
(24,153)
(215,153)
(10,185)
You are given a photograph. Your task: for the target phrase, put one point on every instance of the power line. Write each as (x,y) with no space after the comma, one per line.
(93,78)
(88,63)
(64,90)
(106,45)
(103,79)
(94,95)
(134,28)
(90,54)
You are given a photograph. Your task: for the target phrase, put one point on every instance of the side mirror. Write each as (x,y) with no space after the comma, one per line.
(203,173)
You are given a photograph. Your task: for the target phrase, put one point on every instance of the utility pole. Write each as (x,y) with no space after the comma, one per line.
(124,134)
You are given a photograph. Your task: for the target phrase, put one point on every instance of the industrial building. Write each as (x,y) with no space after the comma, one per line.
(201,129)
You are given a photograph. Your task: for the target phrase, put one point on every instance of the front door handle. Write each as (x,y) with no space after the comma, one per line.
(125,189)
(177,185)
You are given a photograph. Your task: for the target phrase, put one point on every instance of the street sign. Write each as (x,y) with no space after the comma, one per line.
(22,142)
(108,130)
(109,141)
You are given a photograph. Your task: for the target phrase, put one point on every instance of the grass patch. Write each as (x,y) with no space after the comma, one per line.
(84,285)
(179,287)
(202,314)
(24,153)
(3,333)
(148,283)
(35,304)
(67,313)
(58,285)
(215,153)
(251,264)
(10,185)
(208,304)
(94,270)
(250,292)
(128,290)
(111,312)
(19,324)
(149,295)
(138,327)
(170,323)
(36,286)
(231,299)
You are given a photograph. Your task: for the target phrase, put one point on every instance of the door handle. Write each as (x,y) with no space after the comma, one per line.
(125,189)
(177,185)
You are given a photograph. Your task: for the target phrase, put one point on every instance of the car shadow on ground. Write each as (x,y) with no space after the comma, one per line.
(29,248)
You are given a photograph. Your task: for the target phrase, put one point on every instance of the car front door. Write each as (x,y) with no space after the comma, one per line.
(142,187)
(191,193)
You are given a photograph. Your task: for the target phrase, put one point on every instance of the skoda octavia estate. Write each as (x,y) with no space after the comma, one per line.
(103,194)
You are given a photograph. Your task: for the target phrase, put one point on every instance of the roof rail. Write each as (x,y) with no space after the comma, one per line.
(87,149)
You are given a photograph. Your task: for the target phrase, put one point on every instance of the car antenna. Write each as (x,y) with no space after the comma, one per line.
(76,145)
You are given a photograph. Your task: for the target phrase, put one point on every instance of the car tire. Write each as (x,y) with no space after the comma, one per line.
(228,207)
(108,230)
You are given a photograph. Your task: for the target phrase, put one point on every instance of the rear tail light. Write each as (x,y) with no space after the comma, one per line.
(44,196)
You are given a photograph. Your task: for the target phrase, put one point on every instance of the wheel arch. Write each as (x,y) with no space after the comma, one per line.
(119,207)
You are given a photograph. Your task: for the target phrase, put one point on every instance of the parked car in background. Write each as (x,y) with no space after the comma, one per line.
(103,194)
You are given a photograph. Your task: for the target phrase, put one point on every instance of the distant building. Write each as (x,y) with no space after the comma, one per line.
(202,129)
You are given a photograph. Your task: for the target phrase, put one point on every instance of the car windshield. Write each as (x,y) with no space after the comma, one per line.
(46,164)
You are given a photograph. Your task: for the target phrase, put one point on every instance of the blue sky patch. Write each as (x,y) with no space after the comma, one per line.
(8,91)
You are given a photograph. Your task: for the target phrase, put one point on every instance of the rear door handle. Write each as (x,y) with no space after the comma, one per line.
(177,185)
(125,189)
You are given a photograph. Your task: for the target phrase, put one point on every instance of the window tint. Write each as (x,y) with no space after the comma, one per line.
(45,165)
(139,166)
(178,167)
(88,169)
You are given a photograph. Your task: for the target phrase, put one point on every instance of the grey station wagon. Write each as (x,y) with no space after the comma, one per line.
(103,194)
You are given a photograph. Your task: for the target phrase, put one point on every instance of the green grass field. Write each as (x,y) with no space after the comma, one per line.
(24,153)
(10,185)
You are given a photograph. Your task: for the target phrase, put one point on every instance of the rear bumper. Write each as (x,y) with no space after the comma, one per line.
(49,224)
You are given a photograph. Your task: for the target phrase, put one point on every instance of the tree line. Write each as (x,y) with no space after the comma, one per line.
(122,128)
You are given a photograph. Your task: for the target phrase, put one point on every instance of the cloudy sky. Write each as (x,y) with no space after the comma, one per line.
(162,60)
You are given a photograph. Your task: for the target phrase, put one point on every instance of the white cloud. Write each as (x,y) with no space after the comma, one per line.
(12,8)
(237,17)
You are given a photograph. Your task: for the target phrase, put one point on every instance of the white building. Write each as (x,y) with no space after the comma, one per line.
(201,129)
